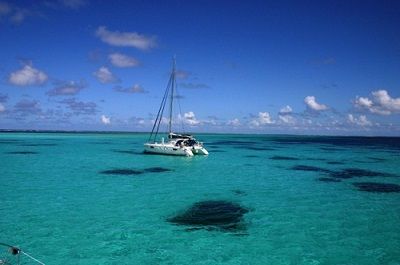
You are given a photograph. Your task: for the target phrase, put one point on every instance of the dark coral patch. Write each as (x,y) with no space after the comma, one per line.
(22,153)
(251,156)
(221,215)
(310,168)
(348,173)
(283,158)
(328,180)
(330,149)
(157,169)
(316,159)
(39,144)
(128,171)
(10,141)
(239,192)
(377,159)
(377,187)
(335,163)
(121,171)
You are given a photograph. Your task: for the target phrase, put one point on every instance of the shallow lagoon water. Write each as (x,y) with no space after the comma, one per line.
(59,205)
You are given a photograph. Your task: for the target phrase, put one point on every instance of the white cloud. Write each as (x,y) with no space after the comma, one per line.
(286,118)
(27,76)
(67,88)
(193,85)
(27,107)
(235,122)
(73,4)
(3,98)
(384,101)
(5,8)
(104,75)
(13,13)
(361,120)
(105,119)
(190,118)
(263,118)
(135,89)
(381,103)
(122,60)
(19,16)
(363,102)
(286,110)
(125,39)
(2,108)
(313,104)
(181,74)
(80,107)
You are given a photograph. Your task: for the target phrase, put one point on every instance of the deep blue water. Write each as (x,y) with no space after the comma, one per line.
(70,198)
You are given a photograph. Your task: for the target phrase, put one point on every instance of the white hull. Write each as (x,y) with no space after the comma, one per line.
(199,150)
(167,149)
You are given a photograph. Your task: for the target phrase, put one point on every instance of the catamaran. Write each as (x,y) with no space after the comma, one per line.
(176,144)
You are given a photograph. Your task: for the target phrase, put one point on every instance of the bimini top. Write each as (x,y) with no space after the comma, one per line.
(179,136)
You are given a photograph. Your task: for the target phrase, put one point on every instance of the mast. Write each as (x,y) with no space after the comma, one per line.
(172,95)
(169,91)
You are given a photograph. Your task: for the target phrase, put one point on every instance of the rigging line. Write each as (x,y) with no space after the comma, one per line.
(159,110)
(6,245)
(162,110)
(29,256)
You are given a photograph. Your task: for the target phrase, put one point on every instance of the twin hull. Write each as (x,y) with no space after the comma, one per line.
(167,149)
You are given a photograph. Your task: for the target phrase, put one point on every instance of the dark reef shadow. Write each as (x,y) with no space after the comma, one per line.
(335,163)
(38,144)
(328,180)
(129,171)
(212,215)
(11,141)
(283,158)
(122,171)
(310,168)
(377,159)
(22,153)
(377,187)
(348,173)
(239,192)
(157,169)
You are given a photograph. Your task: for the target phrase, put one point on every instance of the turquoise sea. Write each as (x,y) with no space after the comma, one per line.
(95,198)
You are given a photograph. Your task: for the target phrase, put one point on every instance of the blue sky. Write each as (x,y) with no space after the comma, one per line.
(301,67)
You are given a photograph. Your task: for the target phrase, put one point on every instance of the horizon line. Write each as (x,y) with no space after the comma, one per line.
(201,133)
